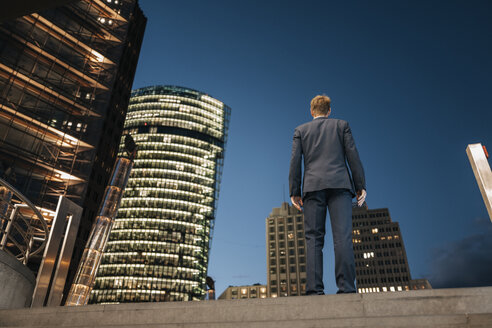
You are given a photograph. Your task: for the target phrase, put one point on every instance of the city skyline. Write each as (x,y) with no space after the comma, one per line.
(411,78)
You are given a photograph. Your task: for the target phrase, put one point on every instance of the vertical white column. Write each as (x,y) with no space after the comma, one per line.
(483,174)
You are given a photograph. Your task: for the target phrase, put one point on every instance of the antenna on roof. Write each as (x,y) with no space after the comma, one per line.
(283,192)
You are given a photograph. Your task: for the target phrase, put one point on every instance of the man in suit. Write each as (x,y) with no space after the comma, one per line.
(326,145)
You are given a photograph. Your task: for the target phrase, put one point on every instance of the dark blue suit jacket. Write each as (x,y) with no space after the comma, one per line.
(327,146)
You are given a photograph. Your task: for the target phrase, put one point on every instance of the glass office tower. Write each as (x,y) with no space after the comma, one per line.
(65,82)
(158,248)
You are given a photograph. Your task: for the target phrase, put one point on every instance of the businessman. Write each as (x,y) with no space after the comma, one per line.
(326,145)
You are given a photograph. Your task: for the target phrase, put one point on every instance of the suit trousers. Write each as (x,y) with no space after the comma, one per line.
(339,203)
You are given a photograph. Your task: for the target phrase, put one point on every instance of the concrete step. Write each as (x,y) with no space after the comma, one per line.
(438,321)
(464,307)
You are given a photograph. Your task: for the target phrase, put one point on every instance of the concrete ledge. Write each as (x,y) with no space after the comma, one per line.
(436,321)
(465,307)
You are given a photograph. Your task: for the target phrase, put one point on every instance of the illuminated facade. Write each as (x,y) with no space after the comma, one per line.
(286,252)
(243,292)
(65,81)
(158,248)
(380,258)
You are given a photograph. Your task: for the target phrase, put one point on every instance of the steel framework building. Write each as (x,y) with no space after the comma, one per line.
(158,248)
(65,80)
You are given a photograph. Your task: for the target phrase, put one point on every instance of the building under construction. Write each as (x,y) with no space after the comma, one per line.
(65,80)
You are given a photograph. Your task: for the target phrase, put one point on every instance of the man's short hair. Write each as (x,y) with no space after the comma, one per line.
(320,105)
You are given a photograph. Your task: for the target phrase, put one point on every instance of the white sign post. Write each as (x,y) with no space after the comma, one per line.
(478,159)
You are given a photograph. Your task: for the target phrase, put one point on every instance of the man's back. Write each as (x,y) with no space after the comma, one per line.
(325,144)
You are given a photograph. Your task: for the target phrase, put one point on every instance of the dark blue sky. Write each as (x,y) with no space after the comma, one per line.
(413,78)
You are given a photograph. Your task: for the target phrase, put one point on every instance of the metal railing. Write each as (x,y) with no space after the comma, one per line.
(23,229)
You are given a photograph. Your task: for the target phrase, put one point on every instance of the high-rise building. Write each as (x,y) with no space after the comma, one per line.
(380,257)
(243,292)
(65,79)
(286,252)
(159,246)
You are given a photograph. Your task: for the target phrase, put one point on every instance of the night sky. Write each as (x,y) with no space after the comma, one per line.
(413,79)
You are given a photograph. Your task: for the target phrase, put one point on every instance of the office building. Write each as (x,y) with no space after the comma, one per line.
(159,246)
(286,252)
(380,257)
(65,79)
(243,292)
(416,284)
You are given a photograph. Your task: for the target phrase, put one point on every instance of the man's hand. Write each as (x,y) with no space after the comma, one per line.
(361,197)
(297,202)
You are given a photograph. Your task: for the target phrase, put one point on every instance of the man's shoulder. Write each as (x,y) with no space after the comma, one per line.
(339,121)
(340,124)
(303,126)
(334,121)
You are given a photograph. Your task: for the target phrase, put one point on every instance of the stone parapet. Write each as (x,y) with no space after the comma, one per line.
(461,307)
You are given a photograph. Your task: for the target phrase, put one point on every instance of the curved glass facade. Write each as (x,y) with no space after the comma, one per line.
(158,248)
